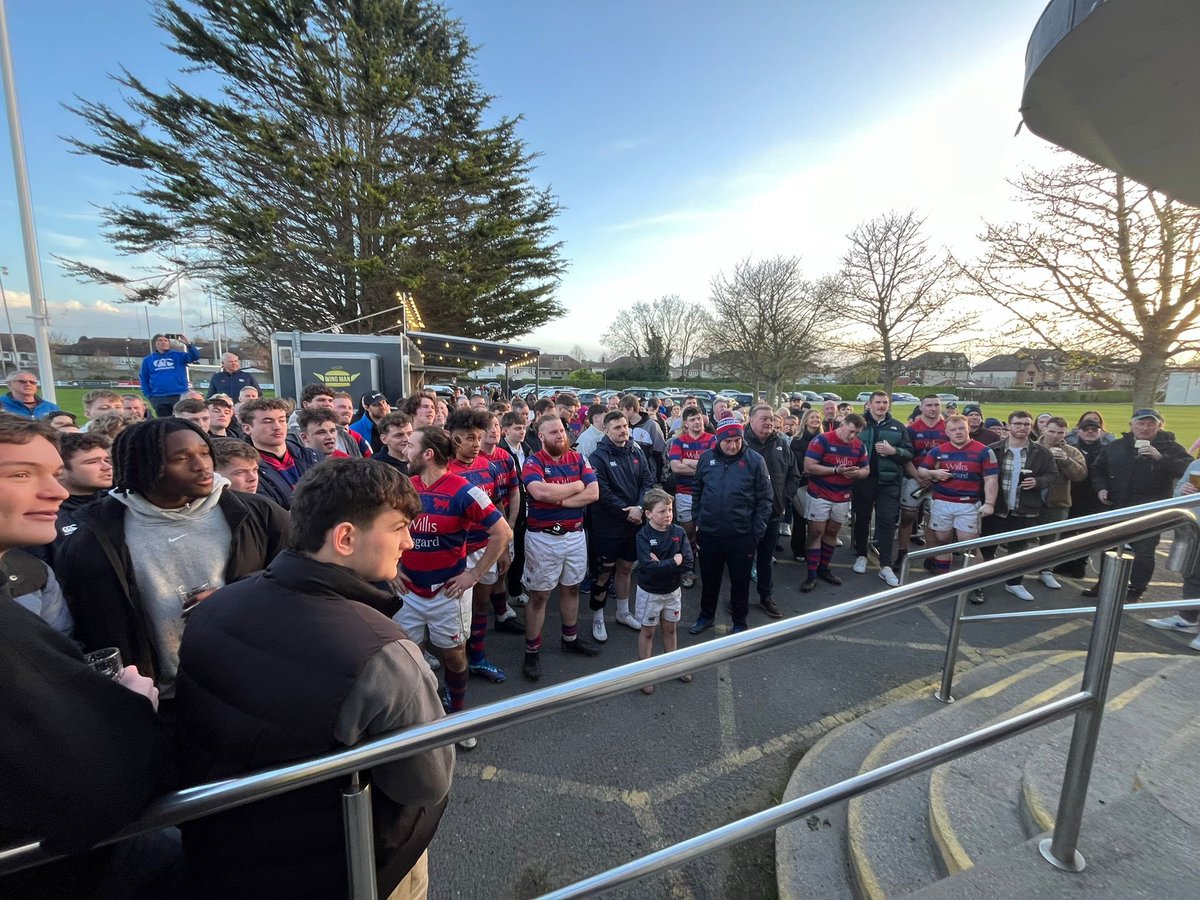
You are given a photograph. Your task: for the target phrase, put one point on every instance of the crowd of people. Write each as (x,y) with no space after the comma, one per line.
(282,578)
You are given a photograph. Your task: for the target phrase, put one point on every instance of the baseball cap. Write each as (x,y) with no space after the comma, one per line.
(992,423)
(372,397)
(972,408)
(1146,413)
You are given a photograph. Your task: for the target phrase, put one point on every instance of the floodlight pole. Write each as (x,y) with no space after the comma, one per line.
(37,296)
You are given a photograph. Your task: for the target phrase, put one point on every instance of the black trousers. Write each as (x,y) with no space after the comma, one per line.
(1001,524)
(883,500)
(164,406)
(765,553)
(715,555)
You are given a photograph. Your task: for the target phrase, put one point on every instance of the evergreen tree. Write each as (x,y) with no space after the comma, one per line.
(344,156)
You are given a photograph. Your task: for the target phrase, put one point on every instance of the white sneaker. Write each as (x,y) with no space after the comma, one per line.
(1019,591)
(1195,644)
(629,620)
(785,529)
(839,542)
(860,565)
(468,743)
(519,600)
(432,661)
(1175,622)
(886,573)
(1047,578)
(599,632)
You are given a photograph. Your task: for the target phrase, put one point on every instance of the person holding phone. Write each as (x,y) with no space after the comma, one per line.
(164,373)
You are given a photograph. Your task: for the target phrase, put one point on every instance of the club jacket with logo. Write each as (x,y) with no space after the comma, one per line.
(166,374)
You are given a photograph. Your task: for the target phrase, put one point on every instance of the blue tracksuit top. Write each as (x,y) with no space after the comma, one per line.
(165,374)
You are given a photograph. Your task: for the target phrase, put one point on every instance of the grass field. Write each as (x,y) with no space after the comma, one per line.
(1183,420)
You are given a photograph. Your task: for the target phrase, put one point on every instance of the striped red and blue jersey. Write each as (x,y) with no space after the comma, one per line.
(829,450)
(925,437)
(683,448)
(450,507)
(968,466)
(479,472)
(504,469)
(541,466)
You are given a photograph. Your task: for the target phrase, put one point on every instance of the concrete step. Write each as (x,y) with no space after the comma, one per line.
(888,833)
(1135,847)
(963,816)
(1139,719)
(975,803)
(811,856)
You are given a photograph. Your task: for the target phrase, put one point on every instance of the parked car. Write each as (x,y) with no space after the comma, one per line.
(830,395)
(646,393)
(903,397)
(863,397)
(442,390)
(948,397)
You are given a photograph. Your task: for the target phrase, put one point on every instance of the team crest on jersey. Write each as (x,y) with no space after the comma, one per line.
(69,529)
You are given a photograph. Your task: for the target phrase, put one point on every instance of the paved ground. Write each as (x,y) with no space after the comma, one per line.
(540,806)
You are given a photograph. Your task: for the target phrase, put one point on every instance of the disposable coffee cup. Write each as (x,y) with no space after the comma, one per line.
(107,662)
(1138,445)
(1194,478)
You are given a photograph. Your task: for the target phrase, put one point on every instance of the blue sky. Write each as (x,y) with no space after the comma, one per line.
(679,136)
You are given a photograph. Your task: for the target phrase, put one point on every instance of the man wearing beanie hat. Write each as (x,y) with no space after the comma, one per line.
(731,503)
(981,431)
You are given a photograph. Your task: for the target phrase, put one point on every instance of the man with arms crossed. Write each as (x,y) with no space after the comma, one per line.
(886,441)
(253,694)
(961,471)
(833,462)
(682,456)
(434,572)
(559,483)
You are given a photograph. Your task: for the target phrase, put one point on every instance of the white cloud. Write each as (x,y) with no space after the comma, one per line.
(74,242)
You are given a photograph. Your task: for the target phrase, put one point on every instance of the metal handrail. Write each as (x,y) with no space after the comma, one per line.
(959,617)
(1108,517)
(206,799)
(1077,611)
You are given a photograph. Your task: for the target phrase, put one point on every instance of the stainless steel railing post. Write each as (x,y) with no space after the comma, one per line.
(960,607)
(1061,850)
(360,838)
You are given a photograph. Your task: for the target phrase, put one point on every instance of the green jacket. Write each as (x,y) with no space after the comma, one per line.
(888,469)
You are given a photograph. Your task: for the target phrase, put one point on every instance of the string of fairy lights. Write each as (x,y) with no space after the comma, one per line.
(414,321)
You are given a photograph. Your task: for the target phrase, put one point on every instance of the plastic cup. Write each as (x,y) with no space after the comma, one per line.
(107,661)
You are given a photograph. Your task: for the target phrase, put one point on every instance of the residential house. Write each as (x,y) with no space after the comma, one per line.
(18,351)
(1049,370)
(936,367)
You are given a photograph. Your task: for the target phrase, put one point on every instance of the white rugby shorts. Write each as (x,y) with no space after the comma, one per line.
(554,559)
(945,515)
(446,619)
(650,607)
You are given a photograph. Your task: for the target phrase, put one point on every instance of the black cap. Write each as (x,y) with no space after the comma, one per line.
(372,397)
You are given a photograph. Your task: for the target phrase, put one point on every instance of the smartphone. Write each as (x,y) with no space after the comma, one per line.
(172,337)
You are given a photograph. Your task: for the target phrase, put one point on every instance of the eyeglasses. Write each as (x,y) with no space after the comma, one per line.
(1089,426)
(24,381)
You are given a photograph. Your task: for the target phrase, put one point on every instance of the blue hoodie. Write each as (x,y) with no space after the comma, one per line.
(165,374)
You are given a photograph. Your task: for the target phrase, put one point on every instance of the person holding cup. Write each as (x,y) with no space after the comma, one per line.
(1072,469)
(1027,470)
(83,752)
(1139,467)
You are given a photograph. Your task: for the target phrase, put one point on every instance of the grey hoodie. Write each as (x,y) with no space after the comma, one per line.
(174,551)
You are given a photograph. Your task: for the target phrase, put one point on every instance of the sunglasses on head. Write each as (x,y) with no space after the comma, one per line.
(1089,426)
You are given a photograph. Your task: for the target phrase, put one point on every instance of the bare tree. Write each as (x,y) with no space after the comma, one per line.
(637,330)
(1107,272)
(766,318)
(894,293)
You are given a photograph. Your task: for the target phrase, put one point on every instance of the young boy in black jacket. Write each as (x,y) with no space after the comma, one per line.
(664,555)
